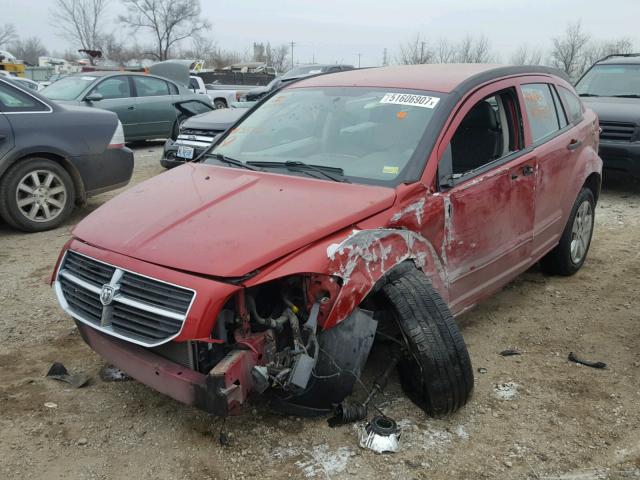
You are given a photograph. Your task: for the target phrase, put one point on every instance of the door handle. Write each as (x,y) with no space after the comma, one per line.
(131,108)
(574,144)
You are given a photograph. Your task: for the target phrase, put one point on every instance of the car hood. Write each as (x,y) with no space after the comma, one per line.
(220,119)
(611,109)
(224,221)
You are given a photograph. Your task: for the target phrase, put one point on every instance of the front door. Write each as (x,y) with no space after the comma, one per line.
(487,180)
(6,136)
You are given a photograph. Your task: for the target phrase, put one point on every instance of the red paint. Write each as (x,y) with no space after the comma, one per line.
(470,239)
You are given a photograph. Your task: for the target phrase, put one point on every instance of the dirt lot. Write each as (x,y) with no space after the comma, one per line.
(532,416)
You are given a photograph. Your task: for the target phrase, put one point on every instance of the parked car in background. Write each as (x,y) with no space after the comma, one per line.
(221,96)
(143,103)
(202,125)
(295,73)
(53,157)
(25,82)
(347,207)
(52,79)
(611,87)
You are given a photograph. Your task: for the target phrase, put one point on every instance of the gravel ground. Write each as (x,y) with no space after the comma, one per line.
(535,415)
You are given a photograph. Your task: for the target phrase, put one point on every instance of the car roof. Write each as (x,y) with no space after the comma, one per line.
(107,73)
(628,59)
(444,78)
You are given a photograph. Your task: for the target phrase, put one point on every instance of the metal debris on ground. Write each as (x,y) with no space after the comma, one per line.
(109,373)
(510,352)
(574,358)
(482,370)
(381,435)
(59,372)
(50,405)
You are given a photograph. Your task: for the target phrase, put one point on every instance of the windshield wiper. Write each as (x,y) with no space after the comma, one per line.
(232,161)
(332,173)
(588,95)
(627,95)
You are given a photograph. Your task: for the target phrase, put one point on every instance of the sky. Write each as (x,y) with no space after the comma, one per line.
(338,30)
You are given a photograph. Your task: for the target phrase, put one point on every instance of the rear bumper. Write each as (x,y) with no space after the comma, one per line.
(110,170)
(623,156)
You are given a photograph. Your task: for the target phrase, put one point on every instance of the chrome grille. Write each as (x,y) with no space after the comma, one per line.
(121,303)
(623,132)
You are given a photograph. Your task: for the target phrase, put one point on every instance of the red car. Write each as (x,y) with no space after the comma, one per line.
(364,205)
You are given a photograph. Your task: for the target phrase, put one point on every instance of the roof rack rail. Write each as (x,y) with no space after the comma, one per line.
(618,55)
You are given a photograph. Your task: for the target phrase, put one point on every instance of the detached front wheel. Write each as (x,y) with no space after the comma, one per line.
(36,194)
(435,370)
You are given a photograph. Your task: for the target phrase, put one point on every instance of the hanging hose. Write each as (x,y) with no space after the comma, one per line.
(275,323)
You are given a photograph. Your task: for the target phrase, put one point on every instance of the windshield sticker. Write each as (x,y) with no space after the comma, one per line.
(90,79)
(391,170)
(411,100)
(400,115)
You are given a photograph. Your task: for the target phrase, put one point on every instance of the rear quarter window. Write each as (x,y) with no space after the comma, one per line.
(13,100)
(572,104)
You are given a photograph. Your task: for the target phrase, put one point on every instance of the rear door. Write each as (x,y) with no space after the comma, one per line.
(554,140)
(488,195)
(117,97)
(154,106)
(6,135)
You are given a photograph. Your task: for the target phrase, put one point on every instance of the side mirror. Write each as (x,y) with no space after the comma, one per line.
(93,97)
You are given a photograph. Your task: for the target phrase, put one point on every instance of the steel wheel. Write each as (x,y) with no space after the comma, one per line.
(581,232)
(41,195)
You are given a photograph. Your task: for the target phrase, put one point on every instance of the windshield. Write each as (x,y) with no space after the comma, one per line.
(68,88)
(610,81)
(368,134)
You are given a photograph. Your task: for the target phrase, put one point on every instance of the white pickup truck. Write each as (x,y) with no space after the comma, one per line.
(222,97)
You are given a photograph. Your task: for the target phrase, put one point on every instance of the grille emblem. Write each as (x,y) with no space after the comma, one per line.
(106,294)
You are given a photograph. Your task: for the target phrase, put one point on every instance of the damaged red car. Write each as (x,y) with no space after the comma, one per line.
(346,209)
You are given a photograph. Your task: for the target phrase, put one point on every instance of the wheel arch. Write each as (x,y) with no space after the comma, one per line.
(594,183)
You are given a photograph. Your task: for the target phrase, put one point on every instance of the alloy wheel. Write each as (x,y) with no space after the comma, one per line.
(581,232)
(41,196)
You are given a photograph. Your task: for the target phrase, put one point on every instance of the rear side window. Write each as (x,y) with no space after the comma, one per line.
(13,100)
(562,118)
(572,104)
(541,111)
(150,86)
(114,87)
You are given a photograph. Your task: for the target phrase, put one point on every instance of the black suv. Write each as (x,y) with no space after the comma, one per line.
(611,88)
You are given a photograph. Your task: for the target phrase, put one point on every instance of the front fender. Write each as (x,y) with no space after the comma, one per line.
(365,256)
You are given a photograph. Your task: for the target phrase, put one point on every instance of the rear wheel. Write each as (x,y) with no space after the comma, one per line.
(36,194)
(571,252)
(220,103)
(435,370)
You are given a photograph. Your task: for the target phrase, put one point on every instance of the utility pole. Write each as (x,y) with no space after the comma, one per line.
(422,52)
(292,45)
(359,55)
(385,61)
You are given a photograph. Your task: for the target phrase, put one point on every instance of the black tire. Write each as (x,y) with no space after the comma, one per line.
(12,212)
(219,103)
(436,371)
(175,130)
(559,261)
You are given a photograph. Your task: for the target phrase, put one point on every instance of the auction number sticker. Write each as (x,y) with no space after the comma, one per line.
(424,101)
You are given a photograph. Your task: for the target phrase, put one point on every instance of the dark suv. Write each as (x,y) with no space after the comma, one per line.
(611,87)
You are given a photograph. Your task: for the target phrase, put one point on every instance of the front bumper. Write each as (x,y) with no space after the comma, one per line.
(169,157)
(220,392)
(623,156)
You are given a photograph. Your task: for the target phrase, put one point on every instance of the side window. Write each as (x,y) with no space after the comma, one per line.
(572,104)
(562,117)
(114,87)
(541,111)
(150,86)
(193,84)
(173,90)
(13,100)
(489,131)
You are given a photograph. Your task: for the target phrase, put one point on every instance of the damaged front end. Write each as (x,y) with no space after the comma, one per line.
(268,339)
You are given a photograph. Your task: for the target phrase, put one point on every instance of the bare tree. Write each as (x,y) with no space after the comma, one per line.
(445,52)
(416,51)
(279,58)
(525,55)
(7,34)
(80,21)
(473,50)
(169,21)
(28,50)
(117,51)
(569,50)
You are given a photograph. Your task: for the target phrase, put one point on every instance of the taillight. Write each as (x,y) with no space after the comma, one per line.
(239,95)
(117,140)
